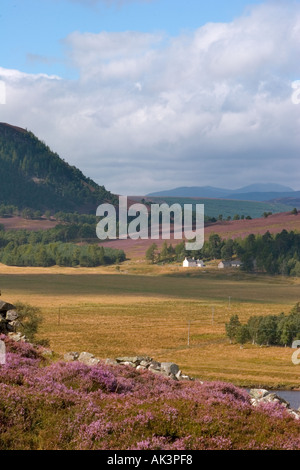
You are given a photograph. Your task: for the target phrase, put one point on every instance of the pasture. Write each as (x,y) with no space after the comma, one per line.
(168,313)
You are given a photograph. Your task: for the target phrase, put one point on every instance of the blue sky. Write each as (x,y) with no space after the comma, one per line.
(33,31)
(152,94)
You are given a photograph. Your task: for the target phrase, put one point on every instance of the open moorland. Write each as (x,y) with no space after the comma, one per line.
(19,223)
(168,313)
(275,223)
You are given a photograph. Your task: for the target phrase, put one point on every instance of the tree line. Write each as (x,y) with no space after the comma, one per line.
(56,246)
(270,330)
(61,254)
(269,253)
(272,254)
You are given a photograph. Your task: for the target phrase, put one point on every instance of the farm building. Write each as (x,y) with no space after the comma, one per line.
(193,263)
(230,264)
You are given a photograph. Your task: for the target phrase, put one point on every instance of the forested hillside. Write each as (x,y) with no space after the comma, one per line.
(33,176)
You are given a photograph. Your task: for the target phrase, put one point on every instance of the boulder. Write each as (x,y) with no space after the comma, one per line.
(146,362)
(18,337)
(5,306)
(263,396)
(258,393)
(155,366)
(272,397)
(71,356)
(169,368)
(13,325)
(11,315)
(88,359)
(47,353)
(133,359)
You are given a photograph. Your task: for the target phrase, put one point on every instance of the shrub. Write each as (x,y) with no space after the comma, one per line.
(29,318)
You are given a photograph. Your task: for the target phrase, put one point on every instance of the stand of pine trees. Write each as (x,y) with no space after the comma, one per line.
(270,330)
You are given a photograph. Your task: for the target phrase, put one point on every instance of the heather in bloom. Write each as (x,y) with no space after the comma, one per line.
(74,406)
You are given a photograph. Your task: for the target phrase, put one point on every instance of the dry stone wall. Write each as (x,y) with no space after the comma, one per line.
(168,369)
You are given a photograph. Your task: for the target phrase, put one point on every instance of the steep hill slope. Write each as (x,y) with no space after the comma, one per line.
(31,175)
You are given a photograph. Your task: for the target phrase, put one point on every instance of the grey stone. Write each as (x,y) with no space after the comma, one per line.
(258,393)
(272,397)
(145,363)
(17,337)
(184,377)
(88,359)
(127,359)
(12,315)
(133,359)
(47,353)
(263,396)
(71,356)
(169,368)
(294,413)
(145,360)
(154,365)
(5,306)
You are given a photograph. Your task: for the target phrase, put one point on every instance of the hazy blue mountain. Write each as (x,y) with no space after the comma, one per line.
(264,188)
(261,196)
(194,191)
(253,192)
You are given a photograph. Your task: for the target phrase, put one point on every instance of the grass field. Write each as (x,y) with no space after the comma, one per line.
(153,310)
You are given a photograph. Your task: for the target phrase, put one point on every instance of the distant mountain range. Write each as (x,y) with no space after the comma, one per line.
(33,176)
(253,192)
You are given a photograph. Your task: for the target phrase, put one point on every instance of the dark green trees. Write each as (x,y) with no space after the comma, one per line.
(276,330)
(35,177)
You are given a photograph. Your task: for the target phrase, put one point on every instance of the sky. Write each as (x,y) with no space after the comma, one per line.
(148,95)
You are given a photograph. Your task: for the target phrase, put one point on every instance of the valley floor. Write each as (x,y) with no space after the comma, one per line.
(167,312)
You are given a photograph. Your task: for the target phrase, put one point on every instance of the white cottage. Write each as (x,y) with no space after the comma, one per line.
(193,263)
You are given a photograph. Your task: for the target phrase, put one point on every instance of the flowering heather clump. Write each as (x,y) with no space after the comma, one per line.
(75,406)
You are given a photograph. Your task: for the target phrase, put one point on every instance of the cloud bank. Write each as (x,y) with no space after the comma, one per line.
(151,112)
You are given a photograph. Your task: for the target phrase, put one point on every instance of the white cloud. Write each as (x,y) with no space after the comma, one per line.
(149,112)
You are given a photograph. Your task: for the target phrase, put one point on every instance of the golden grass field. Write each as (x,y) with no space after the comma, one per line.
(145,309)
